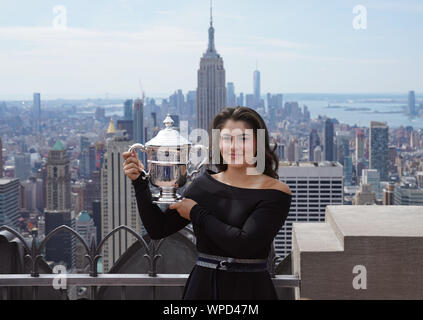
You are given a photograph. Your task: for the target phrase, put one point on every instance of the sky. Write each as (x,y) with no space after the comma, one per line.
(109,47)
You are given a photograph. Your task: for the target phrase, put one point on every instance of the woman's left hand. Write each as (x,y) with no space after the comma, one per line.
(184,207)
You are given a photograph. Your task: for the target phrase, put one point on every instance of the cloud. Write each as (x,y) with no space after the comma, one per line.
(279,50)
(159,37)
(160,45)
(85,61)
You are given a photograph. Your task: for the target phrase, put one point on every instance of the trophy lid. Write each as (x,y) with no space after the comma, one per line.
(168,137)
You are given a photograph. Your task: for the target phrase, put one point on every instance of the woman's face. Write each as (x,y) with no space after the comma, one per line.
(237,143)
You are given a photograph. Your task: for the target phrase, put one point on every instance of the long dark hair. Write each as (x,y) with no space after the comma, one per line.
(255,121)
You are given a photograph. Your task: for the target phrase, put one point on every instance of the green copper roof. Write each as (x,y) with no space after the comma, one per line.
(58,146)
(84,217)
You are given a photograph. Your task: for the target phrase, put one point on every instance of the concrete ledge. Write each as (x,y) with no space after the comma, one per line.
(311,237)
(361,252)
(392,221)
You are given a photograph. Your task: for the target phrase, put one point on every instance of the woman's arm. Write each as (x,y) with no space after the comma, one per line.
(256,234)
(158,224)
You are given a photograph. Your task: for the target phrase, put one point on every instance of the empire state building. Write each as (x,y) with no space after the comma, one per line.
(211,90)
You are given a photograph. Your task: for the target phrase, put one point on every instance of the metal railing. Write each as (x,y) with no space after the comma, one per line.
(93,279)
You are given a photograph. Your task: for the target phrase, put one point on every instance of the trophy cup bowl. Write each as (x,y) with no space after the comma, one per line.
(168,158)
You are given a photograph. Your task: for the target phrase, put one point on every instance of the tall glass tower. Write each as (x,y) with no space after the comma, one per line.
(36,112)
(411,103)
(128,110)
(257,92)
(328,138)
(379,140)
(138,114)
(314,141)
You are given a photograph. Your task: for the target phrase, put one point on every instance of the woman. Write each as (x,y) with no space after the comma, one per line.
(235,215)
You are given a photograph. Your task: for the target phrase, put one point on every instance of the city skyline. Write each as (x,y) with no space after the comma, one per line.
(317,51)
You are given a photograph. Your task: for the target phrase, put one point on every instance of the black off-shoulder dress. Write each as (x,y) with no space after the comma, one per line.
(228,221)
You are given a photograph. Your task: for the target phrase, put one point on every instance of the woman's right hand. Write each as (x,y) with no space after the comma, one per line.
(132,166)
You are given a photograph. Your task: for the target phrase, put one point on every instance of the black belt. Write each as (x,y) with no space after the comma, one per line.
(229,264)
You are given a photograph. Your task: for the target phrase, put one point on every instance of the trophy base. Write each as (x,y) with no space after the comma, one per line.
(166,196)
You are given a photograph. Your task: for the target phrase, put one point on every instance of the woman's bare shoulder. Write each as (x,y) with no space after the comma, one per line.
(278,185)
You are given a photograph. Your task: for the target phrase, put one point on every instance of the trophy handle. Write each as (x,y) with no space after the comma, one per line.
(197,169)
(143,149)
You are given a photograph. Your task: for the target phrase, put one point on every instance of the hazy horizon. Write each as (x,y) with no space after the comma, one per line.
(47,97)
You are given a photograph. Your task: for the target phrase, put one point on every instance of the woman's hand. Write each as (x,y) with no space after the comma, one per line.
(184,207)
(132,166)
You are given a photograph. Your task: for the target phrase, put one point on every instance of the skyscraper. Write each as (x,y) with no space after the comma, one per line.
(180,101)
(84,161)
(328,136)
(191,102)
(257,91)
(211,90)
(128,110)
(58,179)
(36,113)
(280,151)
(84,225)
(389,195)
(118,203)
(372,178)
(314,141)
(342,146)
(138,133)
(275,101)
(240,99)
(408,194)
(34,194)
(379,139)
(317,154)
(348,171)
(359,145)
(411,103)
(9,202)
(96,209)
(314,186)
(414,139)
(128,126)
(364,196)
(231,97)
(92,191)
(293,150)
(249,100)
(1,159)
(58,206)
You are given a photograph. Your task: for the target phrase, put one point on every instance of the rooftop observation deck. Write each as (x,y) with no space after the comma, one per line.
(359,252)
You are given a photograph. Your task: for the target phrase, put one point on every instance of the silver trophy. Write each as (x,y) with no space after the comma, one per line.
(168,157)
